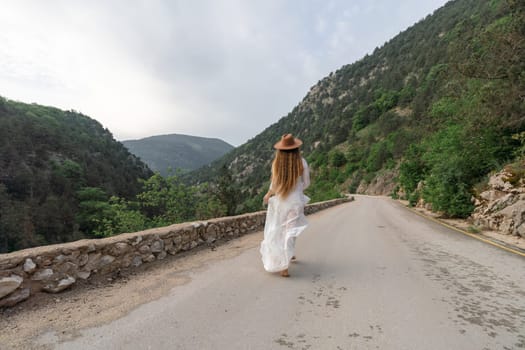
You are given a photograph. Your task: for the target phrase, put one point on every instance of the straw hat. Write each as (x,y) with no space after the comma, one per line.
(288,142)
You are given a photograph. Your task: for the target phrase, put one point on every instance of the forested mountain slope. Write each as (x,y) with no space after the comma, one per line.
(53,163)
(174,151)
(442,103)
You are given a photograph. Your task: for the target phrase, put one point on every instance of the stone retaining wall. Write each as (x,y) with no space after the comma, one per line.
(54,268)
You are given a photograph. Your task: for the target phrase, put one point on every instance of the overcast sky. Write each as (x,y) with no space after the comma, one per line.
(213,68)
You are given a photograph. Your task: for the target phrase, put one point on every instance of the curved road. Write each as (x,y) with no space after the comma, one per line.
(370,275)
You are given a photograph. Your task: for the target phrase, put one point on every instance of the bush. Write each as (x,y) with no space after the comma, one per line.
(448,195)
(337,158)
(454,165)
(413,198)
(394,193)
(121,218)
(413,169)
(322,190)
(379,155)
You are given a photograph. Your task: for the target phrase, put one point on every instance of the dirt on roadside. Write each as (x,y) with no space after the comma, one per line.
(104,299)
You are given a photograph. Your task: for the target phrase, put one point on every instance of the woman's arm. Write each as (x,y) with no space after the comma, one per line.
(306,175)
(268,194)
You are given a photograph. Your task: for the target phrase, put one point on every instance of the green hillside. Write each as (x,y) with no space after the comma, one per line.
(183,152)
(441,103)
(53,163)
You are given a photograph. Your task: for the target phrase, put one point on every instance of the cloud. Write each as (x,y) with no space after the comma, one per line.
(224,69)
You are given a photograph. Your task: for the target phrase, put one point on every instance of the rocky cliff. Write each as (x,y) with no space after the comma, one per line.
(501,206)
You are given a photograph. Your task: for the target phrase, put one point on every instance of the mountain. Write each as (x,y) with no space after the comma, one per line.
(427,115)
(52,164)
(177,151)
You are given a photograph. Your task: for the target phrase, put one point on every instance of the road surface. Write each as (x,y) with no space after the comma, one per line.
(370,275)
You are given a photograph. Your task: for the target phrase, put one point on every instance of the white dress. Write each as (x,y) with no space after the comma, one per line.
(285,221)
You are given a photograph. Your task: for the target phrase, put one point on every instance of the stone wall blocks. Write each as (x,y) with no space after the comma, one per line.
(29,266)
(43,261)
(137,261)
(168,243)
(169,234)
(157,246)
(9,284)
(212,232)
(68,267)
(137,241)
(43,275)
(83,274)
(196,225)
(60,286)
(74,254)
(93,261)
(186,237)
(66,251)
(119,249)
(59,259)
(105,260)
(12,263)
(6,265)
(15,297)
(212,228)
(83,259)
(173,250)
(144,249)
(149,258)
(178,239)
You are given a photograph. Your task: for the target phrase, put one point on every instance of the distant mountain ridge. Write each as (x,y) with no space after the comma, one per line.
(177,151)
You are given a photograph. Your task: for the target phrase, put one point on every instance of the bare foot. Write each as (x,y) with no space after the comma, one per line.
(284,273)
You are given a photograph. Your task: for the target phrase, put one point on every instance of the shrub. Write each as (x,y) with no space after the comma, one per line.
(337,158)
(413,198)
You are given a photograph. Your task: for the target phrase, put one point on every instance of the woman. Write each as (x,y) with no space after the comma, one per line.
(285,218)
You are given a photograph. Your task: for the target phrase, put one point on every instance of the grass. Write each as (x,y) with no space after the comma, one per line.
(473,229)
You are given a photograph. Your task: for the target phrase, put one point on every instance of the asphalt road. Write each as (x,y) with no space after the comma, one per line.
(370,275)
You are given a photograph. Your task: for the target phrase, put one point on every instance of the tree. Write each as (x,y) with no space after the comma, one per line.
(208,204)
(167,200)
(227,192)
(93,208)
(121,218)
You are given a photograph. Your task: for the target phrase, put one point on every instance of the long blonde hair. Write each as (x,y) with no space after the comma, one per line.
(287,167)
